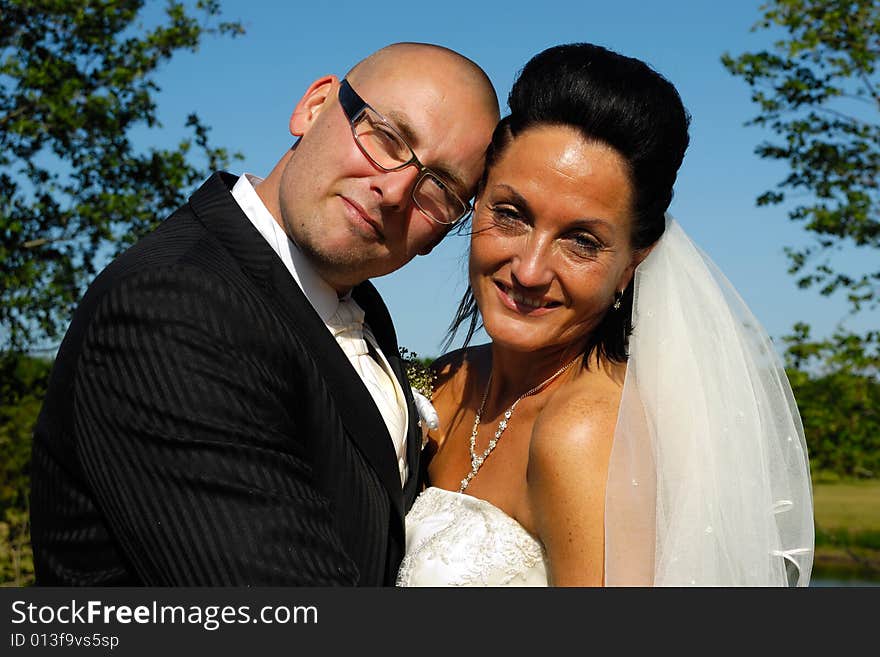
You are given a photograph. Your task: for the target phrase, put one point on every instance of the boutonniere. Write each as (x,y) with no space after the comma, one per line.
(418,372)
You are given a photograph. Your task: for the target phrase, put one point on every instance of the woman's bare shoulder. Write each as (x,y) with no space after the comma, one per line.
(454,369)
(580,418)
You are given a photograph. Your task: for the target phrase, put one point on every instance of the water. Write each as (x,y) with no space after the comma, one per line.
(821,582)
(828,576)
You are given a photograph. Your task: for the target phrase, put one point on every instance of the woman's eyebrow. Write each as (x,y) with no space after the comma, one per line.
(515,196)
(592,223)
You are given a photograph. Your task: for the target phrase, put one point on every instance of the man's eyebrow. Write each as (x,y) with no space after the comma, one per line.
(405,129)
(403,126)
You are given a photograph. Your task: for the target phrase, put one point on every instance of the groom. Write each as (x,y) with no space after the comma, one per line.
(228,406)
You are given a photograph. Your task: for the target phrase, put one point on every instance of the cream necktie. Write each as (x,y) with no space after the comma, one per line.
(347,326)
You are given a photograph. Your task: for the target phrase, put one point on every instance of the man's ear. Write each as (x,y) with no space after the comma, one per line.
(311,104)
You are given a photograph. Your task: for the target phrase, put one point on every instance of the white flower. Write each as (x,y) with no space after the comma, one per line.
(426,410)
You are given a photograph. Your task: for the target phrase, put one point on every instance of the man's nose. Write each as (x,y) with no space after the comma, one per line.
(395,187)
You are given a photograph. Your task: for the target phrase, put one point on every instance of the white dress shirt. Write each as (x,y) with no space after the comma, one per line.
(325,301)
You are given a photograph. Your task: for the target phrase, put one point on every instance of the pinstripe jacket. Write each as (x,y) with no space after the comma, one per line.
(203,428)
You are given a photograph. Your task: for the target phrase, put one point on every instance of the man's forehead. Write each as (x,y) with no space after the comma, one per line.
(442,103)
(391,87)
(409,118)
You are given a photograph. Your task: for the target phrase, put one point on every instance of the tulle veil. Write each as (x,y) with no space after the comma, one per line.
(709,480)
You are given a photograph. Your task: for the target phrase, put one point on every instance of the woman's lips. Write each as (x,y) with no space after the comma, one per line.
(524,304)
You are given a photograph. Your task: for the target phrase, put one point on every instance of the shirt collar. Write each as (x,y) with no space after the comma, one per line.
(319,293)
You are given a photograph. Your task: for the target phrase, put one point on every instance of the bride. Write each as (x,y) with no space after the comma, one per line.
(629,423)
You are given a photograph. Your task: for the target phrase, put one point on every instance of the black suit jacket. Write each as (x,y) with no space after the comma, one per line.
(202,426)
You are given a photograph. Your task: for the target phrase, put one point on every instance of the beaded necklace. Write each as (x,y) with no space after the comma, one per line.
(477,460)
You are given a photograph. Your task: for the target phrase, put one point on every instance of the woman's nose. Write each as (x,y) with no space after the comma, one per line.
(532,263)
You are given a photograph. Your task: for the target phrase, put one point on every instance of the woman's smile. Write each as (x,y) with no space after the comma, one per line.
(525,304)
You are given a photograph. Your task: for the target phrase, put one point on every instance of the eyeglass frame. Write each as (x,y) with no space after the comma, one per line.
(353,106)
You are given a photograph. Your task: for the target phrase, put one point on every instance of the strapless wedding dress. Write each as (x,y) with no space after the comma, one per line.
(454,539)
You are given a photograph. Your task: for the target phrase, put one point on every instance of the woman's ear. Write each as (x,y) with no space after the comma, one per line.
(641,254)
(312,102)
(637,257)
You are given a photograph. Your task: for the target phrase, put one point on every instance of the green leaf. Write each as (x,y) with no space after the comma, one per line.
(76,79)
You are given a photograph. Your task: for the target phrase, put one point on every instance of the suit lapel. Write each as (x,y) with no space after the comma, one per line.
(218,210)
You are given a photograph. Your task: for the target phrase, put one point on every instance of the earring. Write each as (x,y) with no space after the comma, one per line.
(617,297)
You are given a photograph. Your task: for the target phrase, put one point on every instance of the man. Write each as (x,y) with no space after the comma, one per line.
(217,415)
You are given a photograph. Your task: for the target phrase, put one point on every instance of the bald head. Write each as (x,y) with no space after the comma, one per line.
(353,217)
(426,59)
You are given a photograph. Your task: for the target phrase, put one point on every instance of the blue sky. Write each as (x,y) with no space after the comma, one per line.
(246,88)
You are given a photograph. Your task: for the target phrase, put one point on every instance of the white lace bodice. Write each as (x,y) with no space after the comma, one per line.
(454,539)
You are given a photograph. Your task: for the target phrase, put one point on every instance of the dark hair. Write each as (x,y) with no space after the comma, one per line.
(615,100)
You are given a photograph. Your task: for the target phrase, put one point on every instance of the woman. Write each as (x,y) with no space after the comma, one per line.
(558,459)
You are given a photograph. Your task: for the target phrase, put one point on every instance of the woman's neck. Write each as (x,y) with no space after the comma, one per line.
(515,372)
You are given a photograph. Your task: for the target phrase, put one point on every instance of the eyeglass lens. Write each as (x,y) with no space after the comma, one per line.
(389,151)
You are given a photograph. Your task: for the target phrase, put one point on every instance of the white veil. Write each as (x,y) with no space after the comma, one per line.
(709,482)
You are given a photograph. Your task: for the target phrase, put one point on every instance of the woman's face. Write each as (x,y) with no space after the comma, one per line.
(551,240)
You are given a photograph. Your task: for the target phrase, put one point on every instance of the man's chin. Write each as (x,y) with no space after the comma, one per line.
(352,259)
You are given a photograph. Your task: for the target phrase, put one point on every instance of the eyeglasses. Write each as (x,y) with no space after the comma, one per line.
(385,147)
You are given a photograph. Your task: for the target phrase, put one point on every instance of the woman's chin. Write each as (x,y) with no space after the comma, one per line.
(518,336)
(518,340)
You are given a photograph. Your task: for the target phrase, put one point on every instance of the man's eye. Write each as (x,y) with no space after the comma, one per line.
(381,131)
(382,135)
(386,133)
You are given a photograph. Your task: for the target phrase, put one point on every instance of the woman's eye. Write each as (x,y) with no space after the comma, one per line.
(585,244)
(506,214)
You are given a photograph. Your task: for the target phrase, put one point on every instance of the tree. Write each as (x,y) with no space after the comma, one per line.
(76,78)
(836,385)
(819,90)
(23,382)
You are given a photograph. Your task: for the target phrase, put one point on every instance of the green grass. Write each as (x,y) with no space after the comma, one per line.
(847,528)
(852,505)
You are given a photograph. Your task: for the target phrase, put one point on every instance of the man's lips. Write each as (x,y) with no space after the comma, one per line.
(522,303)
(365,216)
